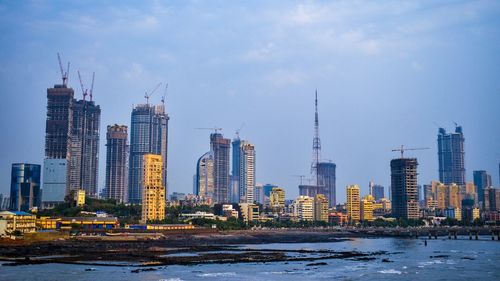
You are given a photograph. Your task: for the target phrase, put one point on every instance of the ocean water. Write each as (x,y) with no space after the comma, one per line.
(410,259)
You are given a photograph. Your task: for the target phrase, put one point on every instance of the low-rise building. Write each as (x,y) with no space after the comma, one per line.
(249,212)
(45,223)
(303,208)
(16,221)
(338,218)
(88,223)
(198,215)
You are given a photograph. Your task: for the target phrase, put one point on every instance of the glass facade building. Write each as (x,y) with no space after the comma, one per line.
(25,192)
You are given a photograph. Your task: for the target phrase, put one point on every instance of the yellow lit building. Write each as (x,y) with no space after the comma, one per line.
(47,223)
(153,191)
(352,203)
(441,194)
(367,208)
(303,208)
(249,212)
(320,208)
(475,214)
(16,221)
(277,199)
(80,197)
(454,197)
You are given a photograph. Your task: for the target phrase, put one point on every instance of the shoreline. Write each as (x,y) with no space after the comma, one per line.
(186,249)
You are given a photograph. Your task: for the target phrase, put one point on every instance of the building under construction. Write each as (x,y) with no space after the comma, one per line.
(84,164)
(58,129)
(148,135)
(404,188)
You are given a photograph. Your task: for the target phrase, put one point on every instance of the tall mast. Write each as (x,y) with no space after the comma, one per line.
(316,142)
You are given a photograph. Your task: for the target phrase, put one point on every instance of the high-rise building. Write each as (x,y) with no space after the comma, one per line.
(320,208)
(244,169)
(25,193)
(57,142)
(451,156)
(404,188)
(268,188)
(303,208)
(366,206)
(84,161)
(221,149)
(491,199)
(148,135)
(326,181)
(482,181)
(153,192)
(205,176)
(454,196)
(353,203)
(258,194)
(116,163)
(377,191)
(310,190)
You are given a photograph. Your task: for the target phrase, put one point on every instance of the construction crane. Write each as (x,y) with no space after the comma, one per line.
(147,96)
(215,129)
(402,149)
(164,95)
(301,177)
(238,130)
(64,75)
(84,91)
(92,86)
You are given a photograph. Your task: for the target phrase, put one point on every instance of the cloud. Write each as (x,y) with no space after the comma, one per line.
(259,54)
(135,72)
(286,77)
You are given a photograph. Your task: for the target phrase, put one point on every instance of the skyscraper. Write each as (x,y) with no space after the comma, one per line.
(153,191)
(84,163)
(221,149)
(326,181)
(148,135)
(116,163)
(404,188)
(451,156)
(205,176)
(244,169)
(57,142)
(482,181)
(25,193)
(377,191)
(353,203)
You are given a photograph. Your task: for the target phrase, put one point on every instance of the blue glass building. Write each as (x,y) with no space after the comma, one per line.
(25,193)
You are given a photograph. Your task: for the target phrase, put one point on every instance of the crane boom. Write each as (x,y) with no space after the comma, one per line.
(147,96)
(402,149)
(84,92)
(92,86)
(216,129)
(64,75)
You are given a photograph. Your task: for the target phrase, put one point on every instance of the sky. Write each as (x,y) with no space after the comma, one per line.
(387,73)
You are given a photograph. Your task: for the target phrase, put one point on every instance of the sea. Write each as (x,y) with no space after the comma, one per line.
(407,259)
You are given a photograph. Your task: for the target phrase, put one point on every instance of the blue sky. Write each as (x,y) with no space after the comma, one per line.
(386,72)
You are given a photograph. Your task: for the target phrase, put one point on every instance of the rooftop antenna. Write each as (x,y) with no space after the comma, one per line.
(64,75)
(147,96)
(316,140)
(402,149)
(84,91)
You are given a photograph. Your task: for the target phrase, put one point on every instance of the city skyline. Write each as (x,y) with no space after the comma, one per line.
(277,108)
